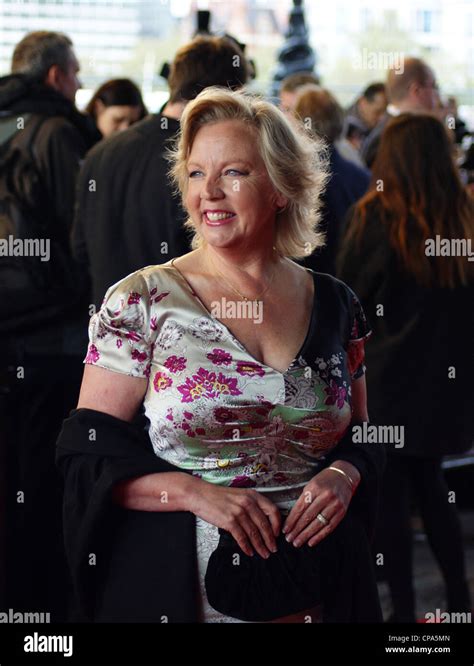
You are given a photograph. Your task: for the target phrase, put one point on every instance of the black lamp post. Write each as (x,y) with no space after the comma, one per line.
(296,55)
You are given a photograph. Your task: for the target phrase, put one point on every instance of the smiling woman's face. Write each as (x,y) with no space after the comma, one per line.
(229,195)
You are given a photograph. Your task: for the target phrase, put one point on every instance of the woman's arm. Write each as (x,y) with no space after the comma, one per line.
(121,396)
(250,517)
(111,392)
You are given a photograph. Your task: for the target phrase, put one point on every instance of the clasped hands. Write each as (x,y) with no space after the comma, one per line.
(255,521)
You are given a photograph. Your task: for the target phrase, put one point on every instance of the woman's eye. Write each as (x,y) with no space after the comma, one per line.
(194,174)
(234,172)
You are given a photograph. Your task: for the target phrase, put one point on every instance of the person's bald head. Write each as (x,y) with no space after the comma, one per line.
(414,88)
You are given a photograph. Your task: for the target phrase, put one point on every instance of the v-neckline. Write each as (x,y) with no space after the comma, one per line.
(311,325)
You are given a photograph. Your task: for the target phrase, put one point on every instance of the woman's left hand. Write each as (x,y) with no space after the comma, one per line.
(328,494)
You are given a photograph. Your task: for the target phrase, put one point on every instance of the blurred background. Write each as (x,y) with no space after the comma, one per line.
(132,38)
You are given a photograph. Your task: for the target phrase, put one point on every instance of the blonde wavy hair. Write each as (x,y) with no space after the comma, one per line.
(296,163)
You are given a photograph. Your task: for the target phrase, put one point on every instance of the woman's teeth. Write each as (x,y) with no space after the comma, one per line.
(214,217)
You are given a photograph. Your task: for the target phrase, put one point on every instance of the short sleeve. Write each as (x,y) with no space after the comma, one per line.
(120,332)
(360,333)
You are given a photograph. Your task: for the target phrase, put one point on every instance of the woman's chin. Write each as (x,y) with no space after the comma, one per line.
(219,237)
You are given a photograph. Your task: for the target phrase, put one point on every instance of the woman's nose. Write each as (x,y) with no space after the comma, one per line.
(211,189)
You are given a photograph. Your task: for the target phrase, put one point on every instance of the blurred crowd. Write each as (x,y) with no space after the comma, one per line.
(94,184)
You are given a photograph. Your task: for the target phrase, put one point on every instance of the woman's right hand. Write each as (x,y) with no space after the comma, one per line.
(252,519)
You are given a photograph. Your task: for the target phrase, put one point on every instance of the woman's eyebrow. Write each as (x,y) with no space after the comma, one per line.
(222,164)
(241,162)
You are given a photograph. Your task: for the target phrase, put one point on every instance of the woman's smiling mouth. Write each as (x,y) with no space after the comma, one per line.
(215,218)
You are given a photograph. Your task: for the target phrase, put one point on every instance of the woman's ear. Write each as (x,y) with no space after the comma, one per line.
(280,200)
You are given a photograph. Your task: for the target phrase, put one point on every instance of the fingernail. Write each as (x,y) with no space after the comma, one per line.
(297,543)
(285,529)
(274,549)
(288,538)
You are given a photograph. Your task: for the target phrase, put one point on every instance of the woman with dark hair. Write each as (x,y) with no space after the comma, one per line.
(116,105)
(406,253)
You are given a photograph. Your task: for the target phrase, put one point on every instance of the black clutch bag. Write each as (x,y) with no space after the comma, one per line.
(255,589)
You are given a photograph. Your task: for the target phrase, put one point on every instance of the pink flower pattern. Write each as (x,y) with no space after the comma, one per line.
(175,363)
(160,297)
(249,368)
(336,394)
(197,381)
(161,382)
(219,357)
(206,384)
(93,354)
(139,356)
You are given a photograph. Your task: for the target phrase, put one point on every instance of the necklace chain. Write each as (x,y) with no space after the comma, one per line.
(236,291)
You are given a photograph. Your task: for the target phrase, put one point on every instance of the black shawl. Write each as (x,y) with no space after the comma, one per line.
(144,567)
(137,566)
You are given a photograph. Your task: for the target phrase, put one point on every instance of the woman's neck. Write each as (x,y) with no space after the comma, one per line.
(254,265)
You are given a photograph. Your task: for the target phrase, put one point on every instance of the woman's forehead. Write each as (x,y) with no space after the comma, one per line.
(226,129)
(229,135)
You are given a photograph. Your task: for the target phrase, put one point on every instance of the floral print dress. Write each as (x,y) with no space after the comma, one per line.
(216,411)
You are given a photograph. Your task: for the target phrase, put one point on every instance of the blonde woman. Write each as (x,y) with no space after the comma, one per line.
(247,414)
